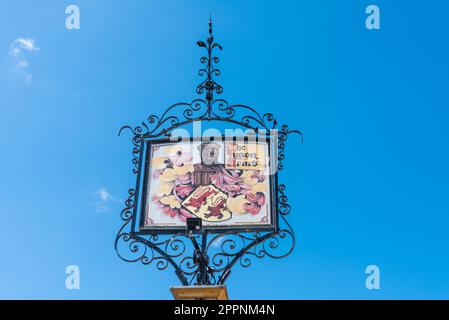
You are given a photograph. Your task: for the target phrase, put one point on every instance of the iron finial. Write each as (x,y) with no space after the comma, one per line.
(209,87)
(210,25)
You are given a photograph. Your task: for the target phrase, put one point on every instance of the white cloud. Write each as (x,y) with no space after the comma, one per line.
(104,199)
(22,64)
(104,194)
(17,50)
(23,43)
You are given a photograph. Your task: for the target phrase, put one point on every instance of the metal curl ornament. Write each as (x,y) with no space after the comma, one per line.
(211,261)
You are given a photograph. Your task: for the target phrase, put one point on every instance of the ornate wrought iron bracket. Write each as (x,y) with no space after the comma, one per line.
(211,260)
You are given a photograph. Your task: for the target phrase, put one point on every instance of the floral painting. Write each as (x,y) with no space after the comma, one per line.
(223,183)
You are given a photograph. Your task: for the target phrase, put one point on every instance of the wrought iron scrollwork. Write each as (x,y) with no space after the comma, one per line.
(209,71)
(211,260)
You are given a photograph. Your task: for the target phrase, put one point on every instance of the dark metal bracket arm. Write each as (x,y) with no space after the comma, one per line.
(214,257)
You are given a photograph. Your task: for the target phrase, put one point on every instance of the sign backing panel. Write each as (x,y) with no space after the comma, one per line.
(228,184)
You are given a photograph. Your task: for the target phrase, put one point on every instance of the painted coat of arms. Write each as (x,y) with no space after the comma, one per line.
(208,203)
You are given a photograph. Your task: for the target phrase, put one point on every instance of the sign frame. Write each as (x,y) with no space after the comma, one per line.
(272,197)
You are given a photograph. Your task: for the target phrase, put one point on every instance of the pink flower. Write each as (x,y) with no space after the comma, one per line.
(252,208)
(169,211)
(184,179)
(157,173)
(260,176)
(180,158)
(217,179)
(181,213)
(229,181)
(184,214)
(231,176)
(183,190)
(256,201)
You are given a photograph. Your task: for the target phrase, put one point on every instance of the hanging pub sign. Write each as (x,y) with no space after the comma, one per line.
(227,183)
(202,203)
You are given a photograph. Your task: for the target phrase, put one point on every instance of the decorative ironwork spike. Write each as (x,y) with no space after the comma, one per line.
(210,25)
(209,87)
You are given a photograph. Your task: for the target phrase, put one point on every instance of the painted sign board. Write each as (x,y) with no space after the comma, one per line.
(228,183)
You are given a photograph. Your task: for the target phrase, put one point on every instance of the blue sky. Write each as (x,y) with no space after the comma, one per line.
(370,184)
